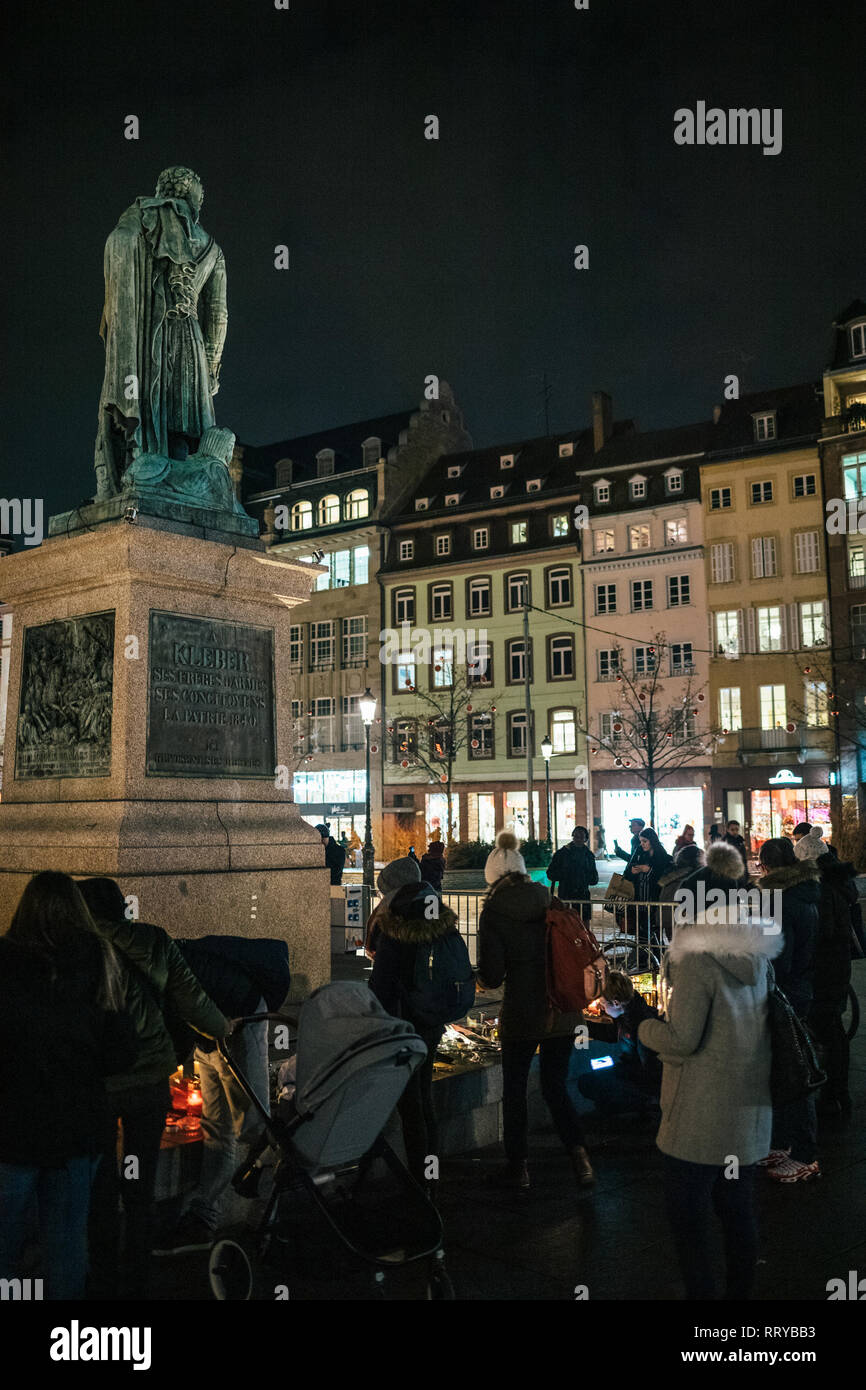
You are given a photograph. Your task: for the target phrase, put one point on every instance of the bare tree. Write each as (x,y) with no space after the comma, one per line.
(654,732)
(437,729)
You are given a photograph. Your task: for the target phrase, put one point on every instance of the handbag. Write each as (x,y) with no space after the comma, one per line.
(795,1071)
(619,890)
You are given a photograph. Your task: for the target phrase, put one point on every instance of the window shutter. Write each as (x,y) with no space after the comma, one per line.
(783,625)
(750,641)
(757,557)
(795,626)
(770,565)
(826,607)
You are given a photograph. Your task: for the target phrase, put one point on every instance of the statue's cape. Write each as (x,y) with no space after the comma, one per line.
(168,224)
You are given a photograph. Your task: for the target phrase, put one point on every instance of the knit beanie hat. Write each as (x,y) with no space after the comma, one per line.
(504,859)
(396,875)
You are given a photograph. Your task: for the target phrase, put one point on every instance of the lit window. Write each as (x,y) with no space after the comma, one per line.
(817,708)
(329,510)
(772,706)
(357,504)
(302,516)
(406,675)
(443,667)
(769,629)
(639,537)
(519,531)
(479,663)
(730,713)
(676,532)
(728,633)
(360,564)
(563,734)
(601,541)
(854,473)
(559,524)
(813,623)
(857,335)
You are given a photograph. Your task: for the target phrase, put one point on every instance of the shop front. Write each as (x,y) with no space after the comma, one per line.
(769,802)
(677,804)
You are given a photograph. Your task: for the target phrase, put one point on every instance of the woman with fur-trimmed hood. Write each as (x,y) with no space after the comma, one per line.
(714,1043)
(414,917)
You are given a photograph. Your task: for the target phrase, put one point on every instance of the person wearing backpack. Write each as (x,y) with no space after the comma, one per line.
(412,929)
(512,947)
(573,870)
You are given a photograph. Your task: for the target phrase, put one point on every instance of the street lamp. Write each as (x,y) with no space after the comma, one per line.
(546,752)
(367,706)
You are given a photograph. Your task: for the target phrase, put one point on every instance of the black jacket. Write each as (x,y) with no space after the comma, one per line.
(574,868)
(236,972)
(795,967)
(739,843)
(512,946)
(640,1064)
(56,1049)
(839,895)
(433,870)
(335,859)
(403,927)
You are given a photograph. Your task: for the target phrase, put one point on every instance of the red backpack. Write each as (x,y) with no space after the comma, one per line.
(576,968)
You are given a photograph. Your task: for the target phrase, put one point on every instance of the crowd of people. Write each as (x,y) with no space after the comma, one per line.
(96,1010)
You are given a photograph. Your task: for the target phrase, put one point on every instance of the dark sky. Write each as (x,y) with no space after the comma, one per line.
(410,256)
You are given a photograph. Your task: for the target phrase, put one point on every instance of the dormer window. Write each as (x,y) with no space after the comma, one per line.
(566,450)
(533,485)
(637,487)
(674,480)
(452,499)
(371,451)
(857,339)
(324,463)
(422,504)
(454,470)
(601,492)
(765,426)
(497,492)
(506,460)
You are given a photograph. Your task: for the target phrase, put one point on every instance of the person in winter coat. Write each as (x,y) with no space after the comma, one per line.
(512,940)
(809,841)
(686,862)
(433,864)
(392,877)
(831,980)
(573,870)
(733,837)
(413,919)
(243,977)
(633,1083)
(335,855)
(141,1098)
(687,838)
(64,1029)
(651,863)
(636,826)
(793,1155)
(723,870)
(714,1043)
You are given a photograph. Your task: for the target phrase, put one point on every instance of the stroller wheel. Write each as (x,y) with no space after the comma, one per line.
(230,1272)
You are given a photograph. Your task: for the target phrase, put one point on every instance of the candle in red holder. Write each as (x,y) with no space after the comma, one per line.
(193,1106)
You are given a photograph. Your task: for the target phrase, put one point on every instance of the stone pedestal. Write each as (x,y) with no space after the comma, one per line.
(149,732)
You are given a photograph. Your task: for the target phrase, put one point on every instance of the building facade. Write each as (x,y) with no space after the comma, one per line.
(485,548)
(843,467)
(322,498)
(769,619)
(646,649)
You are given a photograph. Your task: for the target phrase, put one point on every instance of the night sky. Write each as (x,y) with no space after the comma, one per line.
(410,256)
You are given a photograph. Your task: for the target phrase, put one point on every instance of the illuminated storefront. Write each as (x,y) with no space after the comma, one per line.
(676,807)
(774,800)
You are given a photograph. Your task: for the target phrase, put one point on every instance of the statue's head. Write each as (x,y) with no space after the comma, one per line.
(179,182)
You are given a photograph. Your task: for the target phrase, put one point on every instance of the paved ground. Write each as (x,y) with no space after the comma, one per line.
(613,1239)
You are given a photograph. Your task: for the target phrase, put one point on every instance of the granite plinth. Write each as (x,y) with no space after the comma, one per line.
(201,852)
(209,522)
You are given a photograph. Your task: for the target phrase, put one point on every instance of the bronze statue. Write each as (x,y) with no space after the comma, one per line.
(164,326)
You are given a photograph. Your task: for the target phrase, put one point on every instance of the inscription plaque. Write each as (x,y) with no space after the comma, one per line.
(210,698)
(64,718)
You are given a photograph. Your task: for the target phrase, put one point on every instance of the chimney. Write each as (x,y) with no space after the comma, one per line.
(717,411)
(602,419)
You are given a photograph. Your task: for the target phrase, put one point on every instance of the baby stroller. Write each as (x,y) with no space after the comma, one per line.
(353,1063)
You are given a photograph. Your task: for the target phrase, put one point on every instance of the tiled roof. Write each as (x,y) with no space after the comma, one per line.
(345,440)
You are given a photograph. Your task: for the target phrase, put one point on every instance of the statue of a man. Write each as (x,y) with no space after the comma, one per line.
(164,326)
